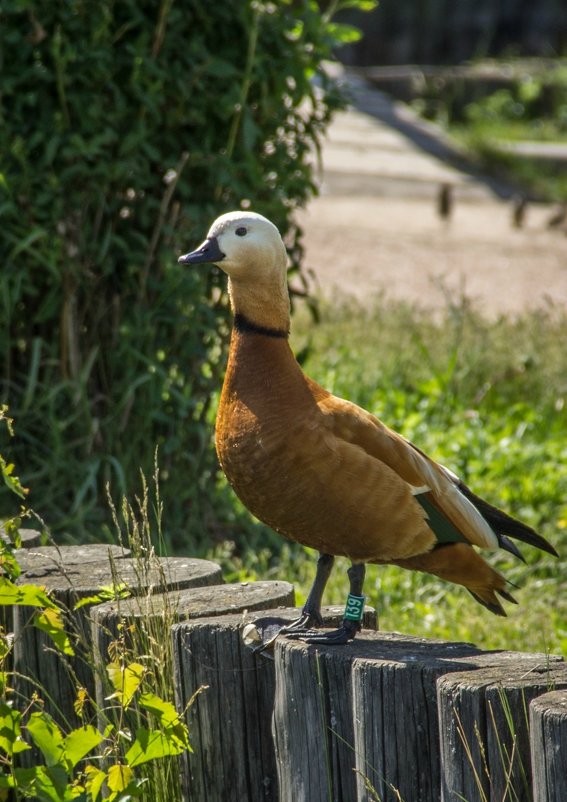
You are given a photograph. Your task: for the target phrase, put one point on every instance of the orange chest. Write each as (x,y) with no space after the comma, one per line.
(263,389)
(250,436)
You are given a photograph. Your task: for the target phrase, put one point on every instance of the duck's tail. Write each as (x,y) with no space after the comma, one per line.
(461,564)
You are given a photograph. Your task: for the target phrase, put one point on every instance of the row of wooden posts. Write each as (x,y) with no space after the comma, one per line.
(387,717)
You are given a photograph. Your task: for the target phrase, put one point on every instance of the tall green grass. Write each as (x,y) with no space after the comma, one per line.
(485,397)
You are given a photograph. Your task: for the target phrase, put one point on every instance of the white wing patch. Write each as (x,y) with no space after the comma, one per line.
(442,483)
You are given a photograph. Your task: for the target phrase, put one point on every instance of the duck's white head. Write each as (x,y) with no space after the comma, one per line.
(250,250)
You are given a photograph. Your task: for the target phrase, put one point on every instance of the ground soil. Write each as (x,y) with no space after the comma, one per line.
(376,226)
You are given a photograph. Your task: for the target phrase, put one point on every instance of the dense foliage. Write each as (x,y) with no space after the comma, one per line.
(125,128)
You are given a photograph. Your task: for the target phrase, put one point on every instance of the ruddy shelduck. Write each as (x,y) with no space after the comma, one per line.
(324,472)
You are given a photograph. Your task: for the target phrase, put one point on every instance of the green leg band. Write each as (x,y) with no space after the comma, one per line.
(354,607)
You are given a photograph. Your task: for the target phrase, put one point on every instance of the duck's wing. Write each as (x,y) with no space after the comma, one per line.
(446,499)
(435,487)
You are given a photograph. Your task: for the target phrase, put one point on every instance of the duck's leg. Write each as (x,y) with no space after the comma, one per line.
(311,613)
(353,613)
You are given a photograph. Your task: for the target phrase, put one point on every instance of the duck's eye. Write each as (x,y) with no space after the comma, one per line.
(241,232)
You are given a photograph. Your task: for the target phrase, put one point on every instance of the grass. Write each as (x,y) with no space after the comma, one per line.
(488,399)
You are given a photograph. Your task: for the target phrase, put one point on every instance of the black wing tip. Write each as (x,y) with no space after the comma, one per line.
(506,544)
(506,526)
(531,537)
(551,550)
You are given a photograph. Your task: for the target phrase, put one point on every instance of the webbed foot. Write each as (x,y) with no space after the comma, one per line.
(334,637)
(304,624)
(307,621)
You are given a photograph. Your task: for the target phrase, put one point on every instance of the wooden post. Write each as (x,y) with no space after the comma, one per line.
(231,720)
(313,720)
(37,562)
(57,677)
(336,721)
(395,710)
(360,722)
(302,726)
(484,725)
(165,609)
(548,738)
(29,537)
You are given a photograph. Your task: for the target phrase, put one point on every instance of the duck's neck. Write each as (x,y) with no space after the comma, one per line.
(265,310)
(245,326)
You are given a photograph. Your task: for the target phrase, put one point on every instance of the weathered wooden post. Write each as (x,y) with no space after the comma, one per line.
(157,613)
(231,721)
(38,562)
(38,666)
(484,724)
(395,714)
(302,725)
(548,738)
(361,722)
(29,537)
(345,715)
(313,721)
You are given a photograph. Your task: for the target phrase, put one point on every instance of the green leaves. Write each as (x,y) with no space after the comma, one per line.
(49,619)
(119,778)
(11,481)
(153,745)
(11,741)
(95,779)
(97,110)
(160,731)
(28,595)
(170,737)
(125,680)
(63,777)
(47,737)
(62,754)
(51,622)
(78,743)
(106,593)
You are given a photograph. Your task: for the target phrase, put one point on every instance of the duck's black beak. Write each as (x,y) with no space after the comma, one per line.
(209,251)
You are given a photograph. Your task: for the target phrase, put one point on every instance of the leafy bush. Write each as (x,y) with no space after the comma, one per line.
(125,129)
(538,102)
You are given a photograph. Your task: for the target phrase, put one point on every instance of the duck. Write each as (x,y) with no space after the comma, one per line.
(324,472)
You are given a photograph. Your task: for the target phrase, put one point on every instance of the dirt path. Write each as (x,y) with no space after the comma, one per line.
(375,227)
